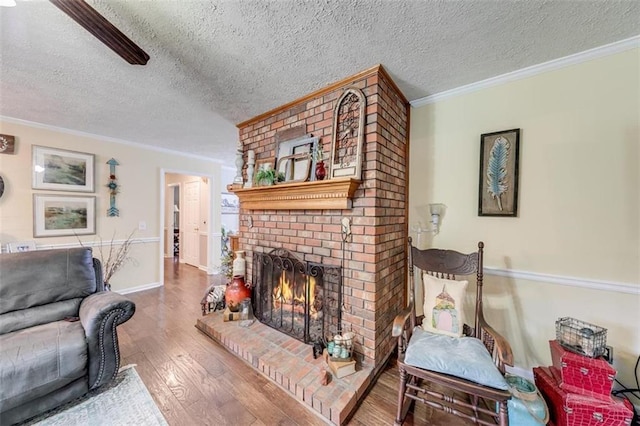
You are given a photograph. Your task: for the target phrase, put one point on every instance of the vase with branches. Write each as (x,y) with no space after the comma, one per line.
(115,257)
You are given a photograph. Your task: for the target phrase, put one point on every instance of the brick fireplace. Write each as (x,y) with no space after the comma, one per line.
(305,220)
(373,262)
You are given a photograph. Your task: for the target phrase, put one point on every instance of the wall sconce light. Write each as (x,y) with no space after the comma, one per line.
(437,210)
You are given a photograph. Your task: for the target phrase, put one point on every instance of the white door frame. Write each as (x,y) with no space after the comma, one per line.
(214,200)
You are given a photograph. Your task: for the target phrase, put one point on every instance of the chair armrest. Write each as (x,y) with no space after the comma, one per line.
(500,348)
(400,321)
(100,313)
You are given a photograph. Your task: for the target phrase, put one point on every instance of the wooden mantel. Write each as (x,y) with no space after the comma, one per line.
(317,195)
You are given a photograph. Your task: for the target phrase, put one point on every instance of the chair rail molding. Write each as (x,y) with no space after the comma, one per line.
(618,287)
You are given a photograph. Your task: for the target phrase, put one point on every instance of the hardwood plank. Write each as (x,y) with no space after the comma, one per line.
(196,381)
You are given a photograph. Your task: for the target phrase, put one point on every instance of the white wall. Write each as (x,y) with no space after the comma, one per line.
(140,196)
(578,218)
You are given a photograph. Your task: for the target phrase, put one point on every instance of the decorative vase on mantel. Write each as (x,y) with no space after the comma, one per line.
(236,292)
(321,172)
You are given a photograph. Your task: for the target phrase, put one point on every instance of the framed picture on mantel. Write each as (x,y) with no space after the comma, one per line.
(498,182)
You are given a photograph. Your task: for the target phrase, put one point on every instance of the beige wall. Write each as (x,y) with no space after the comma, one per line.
(139,199)
(578,215)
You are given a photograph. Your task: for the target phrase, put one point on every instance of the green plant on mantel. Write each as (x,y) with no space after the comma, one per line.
(269,176)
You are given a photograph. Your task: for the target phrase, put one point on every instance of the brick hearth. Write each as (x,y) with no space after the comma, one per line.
(290,364)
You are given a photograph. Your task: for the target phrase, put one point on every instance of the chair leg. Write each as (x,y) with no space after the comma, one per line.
(401,390)
(504,414)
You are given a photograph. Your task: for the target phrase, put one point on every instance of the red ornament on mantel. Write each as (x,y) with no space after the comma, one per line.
(236,292)
(321,172)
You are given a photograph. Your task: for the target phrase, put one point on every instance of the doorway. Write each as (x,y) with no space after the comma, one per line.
(187,214)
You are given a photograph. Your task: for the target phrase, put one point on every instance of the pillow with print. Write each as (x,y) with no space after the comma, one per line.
(443,305)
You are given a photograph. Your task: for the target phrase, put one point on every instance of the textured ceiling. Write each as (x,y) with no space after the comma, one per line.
(217,63)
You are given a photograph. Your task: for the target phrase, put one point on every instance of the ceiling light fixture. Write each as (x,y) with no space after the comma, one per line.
(81,12)
(7,3)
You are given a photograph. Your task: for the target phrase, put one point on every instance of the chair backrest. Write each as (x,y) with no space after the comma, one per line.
(448,264)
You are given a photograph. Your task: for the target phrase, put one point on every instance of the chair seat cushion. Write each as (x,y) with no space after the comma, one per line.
(464,357)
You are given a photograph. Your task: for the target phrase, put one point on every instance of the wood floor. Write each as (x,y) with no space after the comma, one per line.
(195,381)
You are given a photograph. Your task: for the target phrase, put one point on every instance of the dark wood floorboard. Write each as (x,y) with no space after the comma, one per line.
(195,381)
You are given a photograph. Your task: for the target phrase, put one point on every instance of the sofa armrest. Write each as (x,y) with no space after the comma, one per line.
(100,313)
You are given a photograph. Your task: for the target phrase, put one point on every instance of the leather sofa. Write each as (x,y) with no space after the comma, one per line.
(58,335)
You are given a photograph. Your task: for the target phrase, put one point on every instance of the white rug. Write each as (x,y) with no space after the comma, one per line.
(126,401)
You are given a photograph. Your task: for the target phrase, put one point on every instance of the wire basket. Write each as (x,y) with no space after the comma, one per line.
(341,347)
(581,337)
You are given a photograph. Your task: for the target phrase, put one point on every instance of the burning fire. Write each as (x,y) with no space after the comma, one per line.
(287,293)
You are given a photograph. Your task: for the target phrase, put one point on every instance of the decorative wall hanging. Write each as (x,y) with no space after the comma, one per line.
(499,153)
(294,158)
(112,211)
(7,144)
(62,170)
(348,134)
(62,215)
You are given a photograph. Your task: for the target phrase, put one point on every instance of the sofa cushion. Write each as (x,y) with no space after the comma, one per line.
(41,277)
(25,318)
(39,360)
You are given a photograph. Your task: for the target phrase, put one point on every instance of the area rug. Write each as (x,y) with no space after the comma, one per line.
(126,401)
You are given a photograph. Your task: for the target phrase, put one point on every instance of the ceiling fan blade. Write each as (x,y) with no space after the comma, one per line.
(81,12)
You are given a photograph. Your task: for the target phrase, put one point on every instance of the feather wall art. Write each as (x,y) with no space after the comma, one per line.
(497,170)
(498,180)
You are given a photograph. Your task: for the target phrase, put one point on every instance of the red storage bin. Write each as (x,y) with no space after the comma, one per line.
(570,409)
(583,375)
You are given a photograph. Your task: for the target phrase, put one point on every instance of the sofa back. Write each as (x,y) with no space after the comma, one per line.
(43,286)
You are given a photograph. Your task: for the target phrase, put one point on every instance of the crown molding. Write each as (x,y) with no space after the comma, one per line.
(578,58)
(611,286)
(105,138)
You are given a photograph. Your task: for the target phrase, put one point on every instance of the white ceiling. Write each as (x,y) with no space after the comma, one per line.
(216,63)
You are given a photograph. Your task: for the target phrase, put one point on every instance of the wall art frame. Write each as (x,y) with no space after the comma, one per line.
(7,144)
(295,167)
(499,170)
(301,148)
(348,134)
(62,170)
(262,164)
(230,203)
(63,215)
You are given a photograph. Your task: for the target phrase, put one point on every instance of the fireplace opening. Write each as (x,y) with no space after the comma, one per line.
(301,299)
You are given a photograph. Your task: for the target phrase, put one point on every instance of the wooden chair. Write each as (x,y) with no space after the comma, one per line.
(482,400)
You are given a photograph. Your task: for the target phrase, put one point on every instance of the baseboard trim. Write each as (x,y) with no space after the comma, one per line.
(527,373)
(138,288)
(618,287)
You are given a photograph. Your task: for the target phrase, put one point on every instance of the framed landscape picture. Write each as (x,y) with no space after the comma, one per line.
(62,170)
(62,215)
(498,192)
